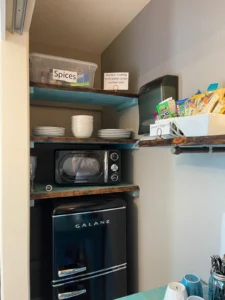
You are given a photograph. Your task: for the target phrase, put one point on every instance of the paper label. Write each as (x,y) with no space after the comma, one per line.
(64,75)
(116,81)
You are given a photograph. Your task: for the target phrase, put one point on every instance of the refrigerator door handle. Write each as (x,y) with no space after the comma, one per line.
(63,273)
(71,294)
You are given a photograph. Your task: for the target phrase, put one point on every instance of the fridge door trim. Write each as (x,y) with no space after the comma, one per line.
(80,276)
(88,212)
(88,277)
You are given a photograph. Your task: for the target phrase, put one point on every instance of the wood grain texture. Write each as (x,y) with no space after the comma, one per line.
(81,89)
(59,192)
(185,141)
(48,139)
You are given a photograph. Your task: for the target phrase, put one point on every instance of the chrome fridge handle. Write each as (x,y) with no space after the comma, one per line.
(63,273)
(71,294)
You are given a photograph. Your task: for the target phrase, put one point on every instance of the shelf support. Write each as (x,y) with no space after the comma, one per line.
(134,194)
(205,149)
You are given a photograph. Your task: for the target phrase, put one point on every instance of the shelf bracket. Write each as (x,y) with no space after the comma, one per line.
(127,104)
(134,194)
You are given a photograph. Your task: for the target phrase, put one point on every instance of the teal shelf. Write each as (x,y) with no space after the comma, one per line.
(81,95)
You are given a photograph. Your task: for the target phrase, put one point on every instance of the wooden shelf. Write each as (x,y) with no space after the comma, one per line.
(121,143)
(59,192)
(81,95)
(214,140)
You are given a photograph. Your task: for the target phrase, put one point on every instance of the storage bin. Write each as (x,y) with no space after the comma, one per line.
(199,125)
(61,71)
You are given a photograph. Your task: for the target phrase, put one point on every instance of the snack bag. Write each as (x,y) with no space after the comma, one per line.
(194,104)
(181,107)
(220,107)
(167,109)
(212,99)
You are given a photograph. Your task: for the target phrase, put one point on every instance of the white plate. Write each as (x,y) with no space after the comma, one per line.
(109,135)
(114,133)
(48,128)
(114,137)
(113,130)
(49,134)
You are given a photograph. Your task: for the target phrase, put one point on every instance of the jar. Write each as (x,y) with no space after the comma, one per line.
(216,287)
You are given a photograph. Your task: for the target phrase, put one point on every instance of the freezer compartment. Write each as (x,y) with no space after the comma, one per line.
(105,286)
(89,242)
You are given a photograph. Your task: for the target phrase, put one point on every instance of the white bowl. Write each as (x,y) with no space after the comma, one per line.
(82,118)
(82,130)
(82,133)
(82,127)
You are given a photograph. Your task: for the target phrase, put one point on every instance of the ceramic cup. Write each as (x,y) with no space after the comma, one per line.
(175,291)
(193,285)
(195,298)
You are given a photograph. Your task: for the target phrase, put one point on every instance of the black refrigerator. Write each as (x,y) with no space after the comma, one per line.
(88,250)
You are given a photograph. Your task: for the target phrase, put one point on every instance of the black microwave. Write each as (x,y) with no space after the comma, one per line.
(87,167)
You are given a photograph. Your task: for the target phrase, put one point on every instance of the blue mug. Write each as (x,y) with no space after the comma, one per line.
(193,285)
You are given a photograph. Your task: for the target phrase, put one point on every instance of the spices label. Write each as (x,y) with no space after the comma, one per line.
(64,75)
(116,81)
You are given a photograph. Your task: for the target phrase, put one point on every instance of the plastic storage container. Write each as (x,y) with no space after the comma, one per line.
(61,71)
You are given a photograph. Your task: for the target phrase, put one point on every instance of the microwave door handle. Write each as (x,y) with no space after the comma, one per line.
(71,294)
(68,272)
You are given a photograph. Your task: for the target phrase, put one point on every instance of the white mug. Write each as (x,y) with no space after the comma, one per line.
(175,291)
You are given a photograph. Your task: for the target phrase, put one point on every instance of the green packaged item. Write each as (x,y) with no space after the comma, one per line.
(167,109)
(181,107)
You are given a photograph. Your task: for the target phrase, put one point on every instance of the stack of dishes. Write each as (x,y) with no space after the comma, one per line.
(48,131)
(82,126)
(114,133)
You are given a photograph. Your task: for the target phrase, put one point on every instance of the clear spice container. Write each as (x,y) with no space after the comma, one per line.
(216,287)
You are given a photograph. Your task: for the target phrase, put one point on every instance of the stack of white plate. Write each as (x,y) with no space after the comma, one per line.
(48,131)
(82,126)
(114,133)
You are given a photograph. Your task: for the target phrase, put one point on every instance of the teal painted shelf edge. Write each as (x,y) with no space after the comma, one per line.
(119,102)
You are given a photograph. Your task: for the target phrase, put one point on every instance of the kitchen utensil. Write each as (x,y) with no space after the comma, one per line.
(218,265)
(193,285)
(174,291)
(33,166)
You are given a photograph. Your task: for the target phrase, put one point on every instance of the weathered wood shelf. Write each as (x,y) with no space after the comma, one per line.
(214,140)
(59,192)
(121,143)
(82,95)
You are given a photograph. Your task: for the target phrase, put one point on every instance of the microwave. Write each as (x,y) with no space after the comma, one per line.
(87,167)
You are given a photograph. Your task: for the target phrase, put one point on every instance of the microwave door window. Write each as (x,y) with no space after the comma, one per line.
(80,167)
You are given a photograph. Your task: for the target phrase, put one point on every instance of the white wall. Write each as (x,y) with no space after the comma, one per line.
(14,167)
(181,201)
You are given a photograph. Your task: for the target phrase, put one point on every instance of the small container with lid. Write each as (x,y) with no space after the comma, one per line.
(216,287)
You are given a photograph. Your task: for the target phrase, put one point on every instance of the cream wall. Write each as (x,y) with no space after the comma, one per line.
(68,52)
(14,163)
(181,199)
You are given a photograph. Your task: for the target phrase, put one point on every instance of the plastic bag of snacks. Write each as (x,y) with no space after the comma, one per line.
(213,99)
(194,105)
(203,104)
